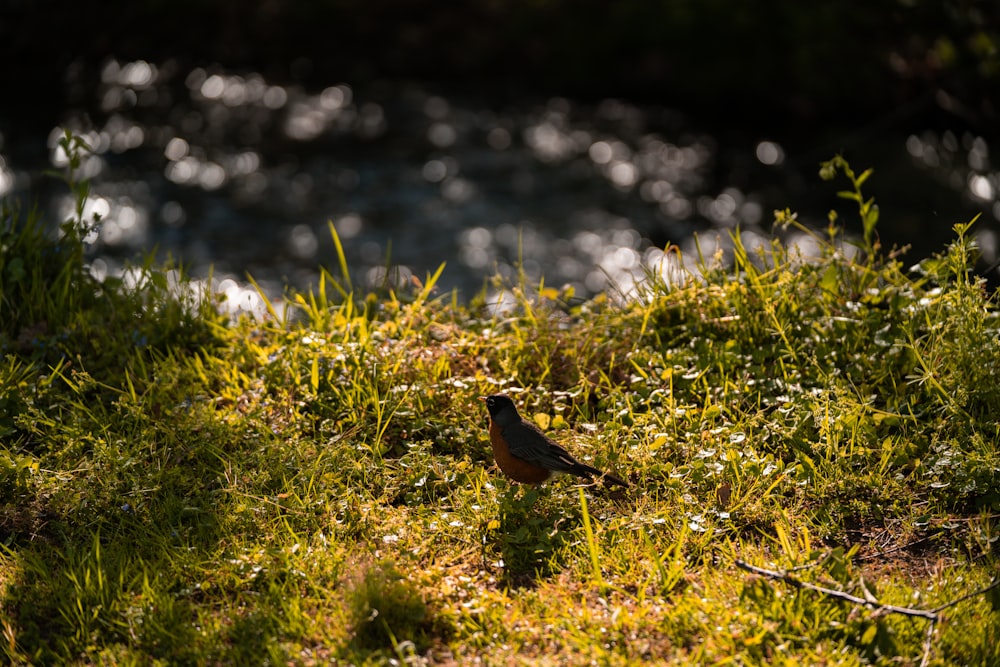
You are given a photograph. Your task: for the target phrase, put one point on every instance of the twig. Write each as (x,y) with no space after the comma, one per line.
(985,589)
(928,639)
(871,604)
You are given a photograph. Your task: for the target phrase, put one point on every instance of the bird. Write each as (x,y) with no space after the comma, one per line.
(527,455)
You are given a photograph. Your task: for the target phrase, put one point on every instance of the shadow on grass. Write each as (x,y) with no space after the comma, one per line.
(532,536)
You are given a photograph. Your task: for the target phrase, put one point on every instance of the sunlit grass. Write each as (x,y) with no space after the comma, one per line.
(317,486)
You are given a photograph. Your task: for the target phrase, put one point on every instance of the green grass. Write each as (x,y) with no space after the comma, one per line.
(319,488)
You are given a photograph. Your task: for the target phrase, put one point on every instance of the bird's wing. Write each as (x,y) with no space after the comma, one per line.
(528,443)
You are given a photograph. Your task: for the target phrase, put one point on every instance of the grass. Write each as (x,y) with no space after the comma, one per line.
(801,434)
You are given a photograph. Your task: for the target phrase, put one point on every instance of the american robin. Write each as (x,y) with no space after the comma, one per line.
(527,455)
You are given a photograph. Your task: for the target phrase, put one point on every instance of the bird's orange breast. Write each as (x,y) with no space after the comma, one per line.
(517,469)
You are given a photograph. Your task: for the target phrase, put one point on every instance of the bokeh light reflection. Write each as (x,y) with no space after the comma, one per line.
(442,135)
(348,226)
(6,178)
(434,171)
(574,191)
(981,187)
(770,153)
(302,242)
(177,149)
(172,214)
(499,138)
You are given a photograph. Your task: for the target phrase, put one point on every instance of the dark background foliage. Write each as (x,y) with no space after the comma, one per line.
(776,62)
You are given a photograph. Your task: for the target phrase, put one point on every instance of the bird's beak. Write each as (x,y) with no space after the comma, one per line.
(482,398)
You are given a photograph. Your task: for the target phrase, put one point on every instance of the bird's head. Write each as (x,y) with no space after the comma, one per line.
(501,409)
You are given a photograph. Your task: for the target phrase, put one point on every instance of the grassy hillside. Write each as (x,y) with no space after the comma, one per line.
(811,443)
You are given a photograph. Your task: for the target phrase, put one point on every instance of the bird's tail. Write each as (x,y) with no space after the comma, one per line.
(608,477)
(590,471)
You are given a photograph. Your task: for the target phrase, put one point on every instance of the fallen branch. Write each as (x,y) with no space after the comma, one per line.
(985,589)
(870,602)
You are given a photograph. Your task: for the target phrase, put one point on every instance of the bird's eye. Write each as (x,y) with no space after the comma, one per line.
(490,402)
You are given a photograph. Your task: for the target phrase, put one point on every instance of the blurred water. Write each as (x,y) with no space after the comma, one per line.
(228,170)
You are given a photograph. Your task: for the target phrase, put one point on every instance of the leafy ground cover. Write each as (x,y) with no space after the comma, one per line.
(811,443)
